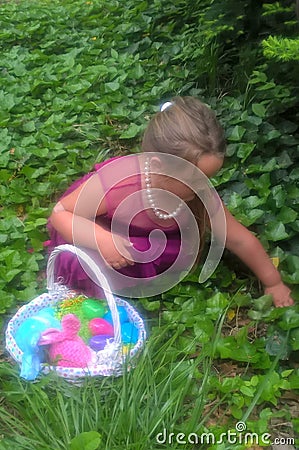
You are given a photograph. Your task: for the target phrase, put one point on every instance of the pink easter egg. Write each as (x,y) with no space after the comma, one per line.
(100,326)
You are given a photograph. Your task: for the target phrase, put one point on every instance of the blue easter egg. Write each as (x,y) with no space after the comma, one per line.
(27,337)
(122,312)
(28,333)
(129,333)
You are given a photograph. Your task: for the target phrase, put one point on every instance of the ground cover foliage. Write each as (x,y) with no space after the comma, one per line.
(78,82)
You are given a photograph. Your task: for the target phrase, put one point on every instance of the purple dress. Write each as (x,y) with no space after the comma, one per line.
(121,180)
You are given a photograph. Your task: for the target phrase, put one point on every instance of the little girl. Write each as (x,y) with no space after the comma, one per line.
(121,212)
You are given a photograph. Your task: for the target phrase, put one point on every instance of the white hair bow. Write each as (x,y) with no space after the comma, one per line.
(165,106)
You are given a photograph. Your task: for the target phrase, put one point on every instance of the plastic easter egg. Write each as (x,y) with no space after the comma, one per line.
(27,337)
(122,312)
(129,333)
(92,308)
(100,326)
(29,331)
(99,342)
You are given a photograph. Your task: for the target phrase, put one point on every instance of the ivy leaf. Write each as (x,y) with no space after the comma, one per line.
(262,303)
(112,86)
(131,132)
(255,315)
(7,101)
(287,215)
(29,127)
(6,300)
(275,231)
(5,139)
(252,216)
(293,263)
(242,299)
(216,305)
(203,329)
(259,110)
(290,319)
(291,275)
(114,53)
(252,202)
(228,348)
(236,133)
(245,149)
(89,440)
(294,380)
(19,69)
(235,200)
(149,305)
(247,390)
(279,194)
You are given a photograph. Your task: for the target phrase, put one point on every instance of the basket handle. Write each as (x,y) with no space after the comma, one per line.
(97,273)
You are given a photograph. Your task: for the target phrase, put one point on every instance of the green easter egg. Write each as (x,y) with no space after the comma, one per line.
(92,308)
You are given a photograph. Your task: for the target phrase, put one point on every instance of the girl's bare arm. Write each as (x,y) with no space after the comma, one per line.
(249,249)
(74,219)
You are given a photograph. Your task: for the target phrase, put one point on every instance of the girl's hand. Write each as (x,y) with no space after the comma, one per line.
(115,251)
(281,295)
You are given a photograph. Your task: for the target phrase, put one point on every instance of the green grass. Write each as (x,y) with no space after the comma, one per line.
(128,411)
(176,387)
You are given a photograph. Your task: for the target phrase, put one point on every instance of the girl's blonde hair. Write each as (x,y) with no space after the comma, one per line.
(188,129)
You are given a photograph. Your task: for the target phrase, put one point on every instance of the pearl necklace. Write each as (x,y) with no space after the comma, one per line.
(150,196)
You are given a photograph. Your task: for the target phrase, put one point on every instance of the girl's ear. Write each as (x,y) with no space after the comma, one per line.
(210,164)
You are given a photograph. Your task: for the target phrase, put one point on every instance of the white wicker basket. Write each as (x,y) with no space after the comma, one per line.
(111,361)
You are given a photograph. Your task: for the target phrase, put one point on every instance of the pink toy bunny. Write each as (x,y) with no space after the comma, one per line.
(67,349)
